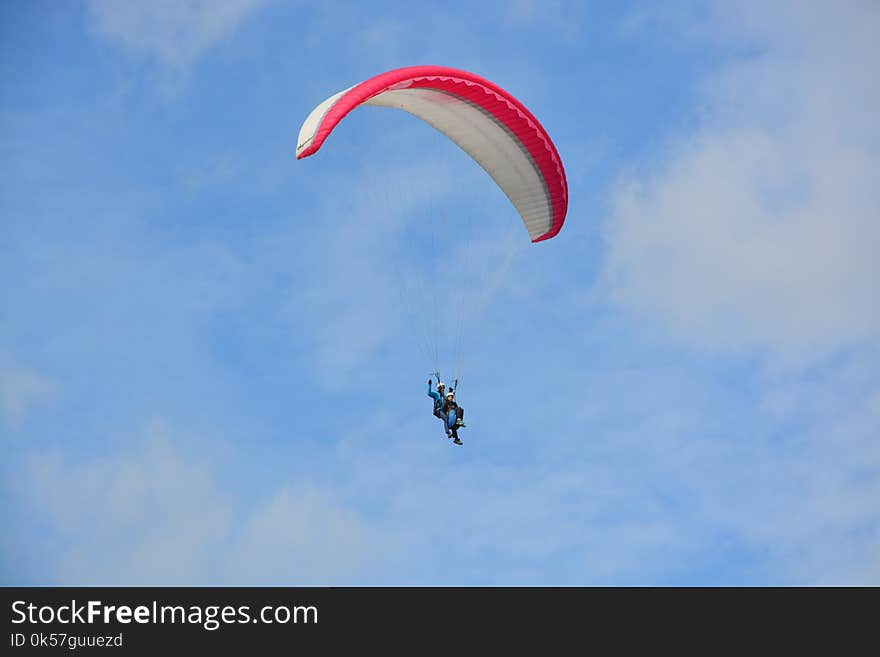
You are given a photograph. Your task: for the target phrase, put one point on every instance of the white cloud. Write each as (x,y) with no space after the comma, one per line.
(806,498)
(176,32)
(762,225)
(147,516)
(21,390)
(160,513)
(303,537)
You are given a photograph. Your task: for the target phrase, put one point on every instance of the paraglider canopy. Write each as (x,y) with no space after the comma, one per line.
(487,122)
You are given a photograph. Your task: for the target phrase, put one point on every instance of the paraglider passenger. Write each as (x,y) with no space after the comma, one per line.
(454,416)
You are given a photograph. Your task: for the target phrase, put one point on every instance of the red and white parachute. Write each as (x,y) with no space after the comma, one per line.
(488,123)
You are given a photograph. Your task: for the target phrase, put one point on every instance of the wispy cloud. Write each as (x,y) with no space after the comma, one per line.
(176,33)
(162,512)
(158,513)
(21,391)
(558,17)
(302,536)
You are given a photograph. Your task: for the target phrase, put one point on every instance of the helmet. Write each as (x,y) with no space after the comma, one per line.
(440,384)
(451,393)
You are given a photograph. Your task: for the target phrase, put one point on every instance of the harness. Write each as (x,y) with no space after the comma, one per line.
(439,403)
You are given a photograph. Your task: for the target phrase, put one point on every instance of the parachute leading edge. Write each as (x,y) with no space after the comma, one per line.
(489,124)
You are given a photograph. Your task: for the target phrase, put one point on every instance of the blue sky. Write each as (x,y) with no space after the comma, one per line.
(208,374)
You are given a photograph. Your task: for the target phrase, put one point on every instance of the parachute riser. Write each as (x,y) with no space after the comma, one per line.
(436,374)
